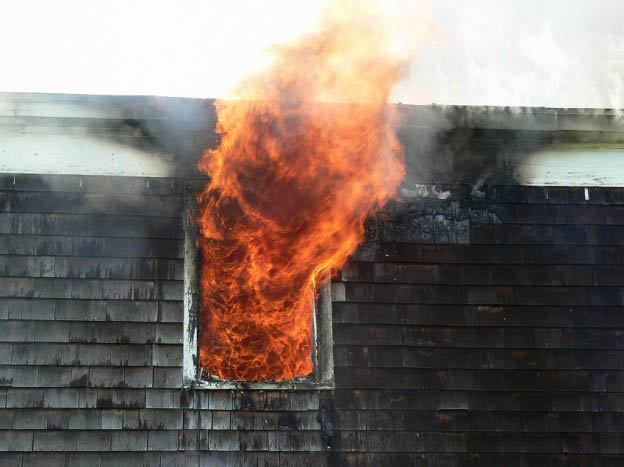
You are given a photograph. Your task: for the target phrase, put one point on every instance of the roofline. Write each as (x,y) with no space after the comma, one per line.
(125,107)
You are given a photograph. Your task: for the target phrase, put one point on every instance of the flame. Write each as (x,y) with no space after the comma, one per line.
(291,183)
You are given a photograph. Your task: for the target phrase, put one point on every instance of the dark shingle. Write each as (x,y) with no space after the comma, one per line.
(138,377)
(55,440)
(170,312)
(167,355)
(128,441)
(117,289)
(52,376)
(16,440)
(131,310)
(168,333)
(162,440)
(120,398)
(24,398)
(165,377)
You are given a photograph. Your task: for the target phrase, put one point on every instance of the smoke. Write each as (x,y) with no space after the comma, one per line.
(558,53)
(561,53)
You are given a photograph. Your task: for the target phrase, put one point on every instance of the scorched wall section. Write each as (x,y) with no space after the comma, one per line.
(485,329)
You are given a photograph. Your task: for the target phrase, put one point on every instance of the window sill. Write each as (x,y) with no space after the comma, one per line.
(260,386)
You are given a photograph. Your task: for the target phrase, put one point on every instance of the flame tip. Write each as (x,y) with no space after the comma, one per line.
(307,152)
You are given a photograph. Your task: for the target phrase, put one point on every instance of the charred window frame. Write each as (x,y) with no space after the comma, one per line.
(193,375)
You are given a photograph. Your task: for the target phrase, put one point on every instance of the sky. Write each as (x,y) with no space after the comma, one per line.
(557,53)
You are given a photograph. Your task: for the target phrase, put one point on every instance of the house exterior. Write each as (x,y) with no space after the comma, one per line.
(479,324)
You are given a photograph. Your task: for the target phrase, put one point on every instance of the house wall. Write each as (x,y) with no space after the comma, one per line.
(472,328)
(485,330)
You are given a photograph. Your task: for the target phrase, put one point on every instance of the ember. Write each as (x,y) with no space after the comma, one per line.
(292,181)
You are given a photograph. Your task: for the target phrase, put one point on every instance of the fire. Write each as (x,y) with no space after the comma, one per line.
(291,183)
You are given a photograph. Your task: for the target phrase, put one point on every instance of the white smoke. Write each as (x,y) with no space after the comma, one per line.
(559,53)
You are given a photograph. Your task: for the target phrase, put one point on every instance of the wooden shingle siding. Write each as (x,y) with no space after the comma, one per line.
(483,329)
(504,350)
(91,337)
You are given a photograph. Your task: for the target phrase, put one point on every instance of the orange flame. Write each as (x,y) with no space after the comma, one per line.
(292,182)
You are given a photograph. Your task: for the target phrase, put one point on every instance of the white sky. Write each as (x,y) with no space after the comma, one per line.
(560,53)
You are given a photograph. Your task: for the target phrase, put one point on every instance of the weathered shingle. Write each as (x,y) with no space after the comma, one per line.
(447,352)
(134,440)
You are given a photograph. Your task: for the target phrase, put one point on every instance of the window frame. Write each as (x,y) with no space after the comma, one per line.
(193,376)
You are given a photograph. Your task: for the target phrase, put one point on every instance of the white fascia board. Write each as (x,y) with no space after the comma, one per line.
(79,135)
(78,155)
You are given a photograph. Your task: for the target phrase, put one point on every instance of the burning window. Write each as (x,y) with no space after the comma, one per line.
(206,374)
(306,153)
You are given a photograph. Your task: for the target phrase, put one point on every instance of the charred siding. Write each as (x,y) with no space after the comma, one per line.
(485,329)
(480,329)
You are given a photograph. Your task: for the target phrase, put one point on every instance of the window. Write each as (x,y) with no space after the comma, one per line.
(195,376)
